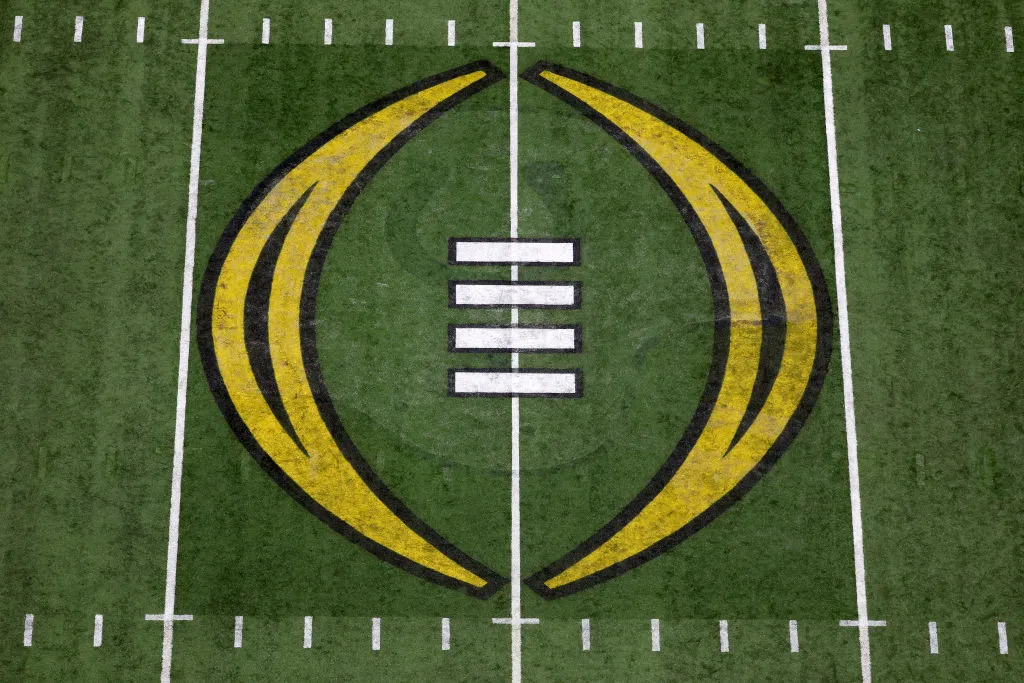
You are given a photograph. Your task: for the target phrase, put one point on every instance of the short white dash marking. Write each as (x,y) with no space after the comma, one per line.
(655,635)
(515,294)
(514,383)
(17,28)
(97,630)
(514,252)
(933,638)
(30,622)
(265,35)
(375,634)
(1008,31)
(762,37)
(140,30)
(389,31)
(723,635)
(794,636)
(1004,647)
(451,33)
(307,632)
(700,36)
(239,625)
(638,34)
(488,339)
(328,31)
(79,26)
(446,634)
(576,42)
(585,634)
(887,37)
(948,28)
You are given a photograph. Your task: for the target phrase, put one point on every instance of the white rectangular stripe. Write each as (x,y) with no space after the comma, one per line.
(17,28)
(514,338)
(446,634)
(1008,32)
(887,37)
(451,33)
(762,37)
(1004,647)
(375,634)
(585,634)
(328,31)
(140,30)
(79,27)
(511,383)
(30,623)
(576,40)
(505,252)
(514,294)
(933,638)
(389,31)
(265,35)
(949,37)
(638,34)
(794,636)
(723,635)
(700,36)
(97,631)
(239,625)
(307,632)
(655,635)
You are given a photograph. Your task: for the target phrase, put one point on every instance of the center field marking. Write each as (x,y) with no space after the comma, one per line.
(1000,630)
(576,42)
(451,33)
(536,252)
(723,635)
(375,634)
(97,630)
(389,31)
(30,622)
(585,634)
(307,633)
(515,383)
(17,28)
(794,636)
(762,37)
(239,626)
(497,294)
(860,572)
(700,36)
(265,35)
(887,37)
(173,526)
(655,635)
(495,338)
(948,29)
(1008,33)
(140,30)
(638,34)
(79,27)
(446,634)
(933,638)
(328,31)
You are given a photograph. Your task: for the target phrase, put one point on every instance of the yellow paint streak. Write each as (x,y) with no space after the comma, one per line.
(325,475)
(711,470)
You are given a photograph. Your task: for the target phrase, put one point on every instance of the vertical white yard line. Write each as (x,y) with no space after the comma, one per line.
(700,36)
(451,33)
(265,34)
(375,634)
(794,636)
(30,624)
(1008,32)
(1004,647)
(307,633)
(948,29)
(762,37)
(576,40)
(389,31)
(933,638)
(79,27)
(723,635)
(655,635)
(16,37)
(863,624)
(140,30)
(328,31)
(638,34)
(97,630)
(239,626)
(446,634)
(887,37)
(585,634)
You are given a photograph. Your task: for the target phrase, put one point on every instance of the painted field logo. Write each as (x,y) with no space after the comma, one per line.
(258,340)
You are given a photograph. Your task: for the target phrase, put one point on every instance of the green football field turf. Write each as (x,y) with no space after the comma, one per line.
(96,140)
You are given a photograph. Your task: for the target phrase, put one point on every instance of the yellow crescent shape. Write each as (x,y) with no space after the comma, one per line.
(733,439)
(256,332)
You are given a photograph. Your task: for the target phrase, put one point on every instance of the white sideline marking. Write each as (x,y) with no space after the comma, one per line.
(514,383)
(375,634)
(762,37)
(1008,32)
(514,294)
(97,630)
(794,636)
(638,34)
(328,31)
(844,344)
(949,37)
(30,622)
(576,42)
(933,638)
(239,626)
(265,35)
(446,634)
(1000,629)
(451,33)
(389,31)
(723,635)
(515,338)
(655,635)
(887,37)
(508,252)
(185,330)
(140,30)
(79,26)
(17,29)
(700,36)
(585,634)
(307,633)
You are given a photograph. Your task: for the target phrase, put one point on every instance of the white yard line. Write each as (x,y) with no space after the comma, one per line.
(723,635)
(307,633)
(451,33)
(79,27)
(18,20)
(97,630)
(863,623)
(887,37)
(1008,33)
(389,31)
(375,634)
(576,39)
(265,33)
(762,37)
(933,638)
(1004,647)
(30,624)
(140,30)
(948,30)
(794,636)
(585,634)
(169,617)
(328,31)
(700,36)
(446,634)
(239,631)
(655,635)
(638,34)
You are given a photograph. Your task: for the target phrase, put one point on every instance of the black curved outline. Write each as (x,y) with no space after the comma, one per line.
(308,334)
(721,341)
